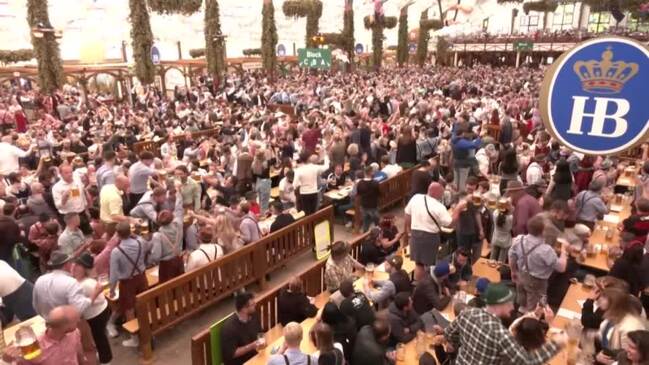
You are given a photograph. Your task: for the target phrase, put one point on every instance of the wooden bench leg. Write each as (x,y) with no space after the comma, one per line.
(146,350)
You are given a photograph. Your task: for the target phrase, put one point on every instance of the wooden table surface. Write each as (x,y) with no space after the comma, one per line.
(600,260)
(571,302)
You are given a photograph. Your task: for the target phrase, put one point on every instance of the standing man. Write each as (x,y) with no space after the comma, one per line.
(11,234)
(69,197)
(16,294)
(590,206)
(368,192)
(243,171)
(127,267)
(72,241)
(479,336)
(306,184)
(106,172)
(425,216)
(532,261)
(189,190)
(111,204)
(138,175)
(239,341)
(525,206)
(10,155)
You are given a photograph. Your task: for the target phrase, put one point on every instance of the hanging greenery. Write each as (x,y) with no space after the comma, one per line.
(377,26)
(425,26)
(345,39)
(402,45)
(185,7)
(46,49)
(542,6)
(268,37)
(309,9)
(18,55)
(142,39)
(442,53)
(214,41)
(197,52)
(252,52)
(509,1)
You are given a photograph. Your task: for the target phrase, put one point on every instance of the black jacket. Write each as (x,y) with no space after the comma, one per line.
(428,295)
(591,319)
(358,307)
(367,350)
(403,325)
(401,281)
(294,307)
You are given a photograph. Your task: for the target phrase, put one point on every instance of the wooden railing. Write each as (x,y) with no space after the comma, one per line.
(154,147)
(313,281)
(168,304)
(392,191)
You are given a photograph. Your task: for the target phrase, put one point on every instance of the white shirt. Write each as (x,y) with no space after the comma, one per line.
(75,204)
(88,286)
(286,191)
(534,173)
(199,258)
(420,220)
(11,279)
(392,170)
(9,155)
(306,177)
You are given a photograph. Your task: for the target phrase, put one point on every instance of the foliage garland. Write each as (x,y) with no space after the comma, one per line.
(268,38)
(46,49)
(197,52)
(214,47)
(142,38)
(425,25)
(377,36)
(402,45)
(252,52)
(542,6)
(185,7)
(312,10)
(442,51)
(344,39)
(17,55)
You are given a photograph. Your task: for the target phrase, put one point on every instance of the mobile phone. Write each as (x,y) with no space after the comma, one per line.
(543,301)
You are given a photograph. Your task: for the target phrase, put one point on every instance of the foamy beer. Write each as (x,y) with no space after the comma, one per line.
(476,199)
(503,203)
(74,192)
(492,203)
(28,343)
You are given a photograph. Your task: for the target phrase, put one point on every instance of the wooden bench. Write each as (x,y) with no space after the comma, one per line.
(174,301)
(392,191)
(313,280)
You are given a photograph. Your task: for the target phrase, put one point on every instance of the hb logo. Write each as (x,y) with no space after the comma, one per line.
(592,98)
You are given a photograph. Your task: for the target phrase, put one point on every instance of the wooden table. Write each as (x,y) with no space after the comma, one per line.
(600,260)
(571,302)
(264,224)
(339,194)
(275,339)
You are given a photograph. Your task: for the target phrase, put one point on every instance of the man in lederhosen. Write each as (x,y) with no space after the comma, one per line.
(127,268)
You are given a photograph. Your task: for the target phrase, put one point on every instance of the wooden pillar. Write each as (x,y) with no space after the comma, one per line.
(518,58)
(455,59)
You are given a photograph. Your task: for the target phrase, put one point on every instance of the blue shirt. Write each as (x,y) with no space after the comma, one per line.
(294,356)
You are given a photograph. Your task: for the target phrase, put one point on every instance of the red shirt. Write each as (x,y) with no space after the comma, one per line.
(638,224)
(54,352)
(255,208)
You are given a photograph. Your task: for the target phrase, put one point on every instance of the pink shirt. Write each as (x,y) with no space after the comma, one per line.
(53,352)
(102,260)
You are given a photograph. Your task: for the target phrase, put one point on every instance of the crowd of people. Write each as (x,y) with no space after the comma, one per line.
(81,211)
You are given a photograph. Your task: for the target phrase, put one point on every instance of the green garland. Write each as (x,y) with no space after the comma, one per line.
(542,6)
(442,51)
(142,41)
(18,55)
(402,45)
(252,52)
(344,39)
(214,49)
(312,10)
(268,38)
(46,49)
(377,36)
(185,7)
(197,52)
(425,26)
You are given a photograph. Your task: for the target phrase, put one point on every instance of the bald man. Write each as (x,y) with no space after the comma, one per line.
(69,197)
(111,204)
(425,216)
(60,344)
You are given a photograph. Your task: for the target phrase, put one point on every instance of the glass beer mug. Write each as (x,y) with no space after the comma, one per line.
(28,343)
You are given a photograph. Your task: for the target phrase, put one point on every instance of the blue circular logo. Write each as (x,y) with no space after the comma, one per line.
(594,98)
(281,50)
(359,48)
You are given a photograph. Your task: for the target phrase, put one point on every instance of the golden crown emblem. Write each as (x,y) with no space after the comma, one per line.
(605,76)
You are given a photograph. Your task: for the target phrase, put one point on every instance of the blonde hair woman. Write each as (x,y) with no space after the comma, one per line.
(226,235)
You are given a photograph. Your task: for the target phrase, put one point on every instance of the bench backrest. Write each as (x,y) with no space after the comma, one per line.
(174,301)
(314,284)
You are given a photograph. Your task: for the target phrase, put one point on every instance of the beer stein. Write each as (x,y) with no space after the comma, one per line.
(28,343)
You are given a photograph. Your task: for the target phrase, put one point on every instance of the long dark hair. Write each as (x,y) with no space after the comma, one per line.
(509,164)
(641,341)
(562,174)
(530,333)
(502,218)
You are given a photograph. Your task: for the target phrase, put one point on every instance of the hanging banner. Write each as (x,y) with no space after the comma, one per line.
(314,58)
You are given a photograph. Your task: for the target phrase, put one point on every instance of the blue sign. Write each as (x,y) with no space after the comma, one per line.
(155,55)
(281,50)
(412,47)
(594,97)
(359,48)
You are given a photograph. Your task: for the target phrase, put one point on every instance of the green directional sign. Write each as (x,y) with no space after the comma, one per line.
(523,45)
(314,58)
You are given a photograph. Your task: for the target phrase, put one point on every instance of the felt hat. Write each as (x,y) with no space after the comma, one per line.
(498,294)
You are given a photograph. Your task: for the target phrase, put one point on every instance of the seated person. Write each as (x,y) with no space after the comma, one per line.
(375,248)
(337,179)
(398,276)
(206,252)
(404,321)
(461,271)
(293,305)
(290,352)
(430,291)
(480,287)
(355,305)
(239,333)
(282,219)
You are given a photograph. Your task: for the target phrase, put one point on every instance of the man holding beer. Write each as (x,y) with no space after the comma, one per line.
(69,197)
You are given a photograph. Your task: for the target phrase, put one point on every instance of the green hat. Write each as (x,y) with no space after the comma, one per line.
(498,294)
